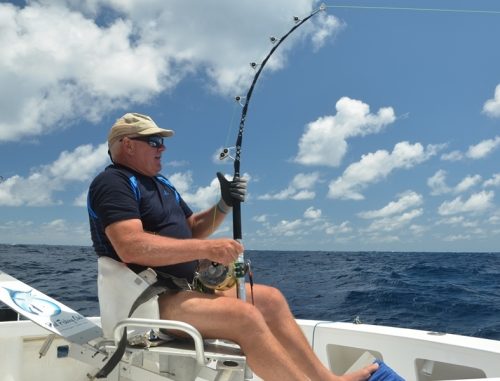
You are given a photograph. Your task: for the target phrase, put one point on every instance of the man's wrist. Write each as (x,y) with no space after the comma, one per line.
(223,207)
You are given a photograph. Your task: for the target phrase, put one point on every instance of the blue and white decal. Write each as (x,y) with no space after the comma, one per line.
(33,304)
(46,312)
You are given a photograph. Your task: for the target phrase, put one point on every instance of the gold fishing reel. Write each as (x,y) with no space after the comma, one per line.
(215,276)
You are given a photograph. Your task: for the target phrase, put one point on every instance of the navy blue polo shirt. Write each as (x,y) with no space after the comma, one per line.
(119,193)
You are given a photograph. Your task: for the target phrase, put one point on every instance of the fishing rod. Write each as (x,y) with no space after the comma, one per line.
(240,267)
(214,275)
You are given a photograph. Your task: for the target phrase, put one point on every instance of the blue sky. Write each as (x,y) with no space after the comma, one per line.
(370,129)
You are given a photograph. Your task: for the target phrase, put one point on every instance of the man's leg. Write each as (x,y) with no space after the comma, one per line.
(276,312)
(219,317)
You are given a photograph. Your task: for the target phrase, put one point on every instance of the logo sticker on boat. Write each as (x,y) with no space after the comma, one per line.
(46,312)
(33,303)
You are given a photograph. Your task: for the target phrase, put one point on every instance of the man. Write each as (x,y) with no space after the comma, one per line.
(137,217)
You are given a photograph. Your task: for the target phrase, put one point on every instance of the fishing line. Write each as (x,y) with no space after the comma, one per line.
(411,9)
(230,127)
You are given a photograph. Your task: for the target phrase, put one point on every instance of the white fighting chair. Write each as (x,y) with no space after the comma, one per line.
(177,360)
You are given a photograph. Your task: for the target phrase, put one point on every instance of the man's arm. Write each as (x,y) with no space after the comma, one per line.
(205,223)
(134,245)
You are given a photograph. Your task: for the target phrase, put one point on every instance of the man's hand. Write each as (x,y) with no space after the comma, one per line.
(223,250)
(231,191)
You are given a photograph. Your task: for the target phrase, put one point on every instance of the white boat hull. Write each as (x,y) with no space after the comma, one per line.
(415,355)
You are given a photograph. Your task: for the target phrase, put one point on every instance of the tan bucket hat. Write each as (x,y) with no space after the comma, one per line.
(135,124)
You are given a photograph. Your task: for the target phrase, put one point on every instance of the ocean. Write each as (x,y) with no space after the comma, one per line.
(442,292)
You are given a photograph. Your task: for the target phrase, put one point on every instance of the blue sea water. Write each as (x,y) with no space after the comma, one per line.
(444,292)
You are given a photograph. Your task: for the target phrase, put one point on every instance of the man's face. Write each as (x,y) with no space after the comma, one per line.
(146,154)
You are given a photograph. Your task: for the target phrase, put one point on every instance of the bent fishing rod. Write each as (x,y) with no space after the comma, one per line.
(240,267)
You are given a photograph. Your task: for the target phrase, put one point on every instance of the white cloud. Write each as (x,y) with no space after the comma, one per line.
(40,187)
(374,167)
(467,183)
(202,197)
(287,228)
(452,156)
(182,181)
(305,180)
(418,230)
(353,118)
(328,25)
(78,165)
(459,220)
(63,64)
(454,220)
(381,238)
(300,188)
(493,182)
(296,230)
(495,218)
(470,224)
(342,228)
(81,200)
(63,67)
(474,152)
(312,213)
(15,225)
(55,232)
(492,106)
(406,201)
(261,218)
(281,195)
(395,216)
(177,163)
(476,203)
(392,222)
(438,185)
(303,195)
(457,237)
(483,148)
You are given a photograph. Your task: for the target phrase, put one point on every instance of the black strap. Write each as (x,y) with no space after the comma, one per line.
(152,290)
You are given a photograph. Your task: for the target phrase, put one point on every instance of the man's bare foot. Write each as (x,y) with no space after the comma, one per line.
(360,375)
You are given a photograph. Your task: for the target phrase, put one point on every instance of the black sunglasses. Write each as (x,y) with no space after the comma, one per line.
(154,141)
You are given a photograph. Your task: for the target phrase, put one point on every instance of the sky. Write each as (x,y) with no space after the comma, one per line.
(374,126)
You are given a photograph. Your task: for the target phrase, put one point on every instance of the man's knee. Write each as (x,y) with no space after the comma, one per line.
(246,311)
(248,317)
(271,300)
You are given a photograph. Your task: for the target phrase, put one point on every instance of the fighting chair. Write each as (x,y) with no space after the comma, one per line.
(148,354)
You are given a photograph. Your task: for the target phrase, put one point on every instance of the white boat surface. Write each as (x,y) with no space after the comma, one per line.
(415,355)
(56,343)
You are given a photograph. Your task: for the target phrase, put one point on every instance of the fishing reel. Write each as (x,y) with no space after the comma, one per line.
(216,276)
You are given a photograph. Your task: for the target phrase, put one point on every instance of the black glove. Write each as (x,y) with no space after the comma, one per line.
(235,190)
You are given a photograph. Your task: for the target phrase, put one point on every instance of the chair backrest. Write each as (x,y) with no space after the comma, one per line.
(118,288)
